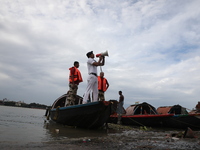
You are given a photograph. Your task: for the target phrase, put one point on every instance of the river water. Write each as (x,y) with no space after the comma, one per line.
(24,126)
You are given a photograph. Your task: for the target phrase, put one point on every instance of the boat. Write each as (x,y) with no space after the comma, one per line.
(142,114)
(89,115)
(181,118)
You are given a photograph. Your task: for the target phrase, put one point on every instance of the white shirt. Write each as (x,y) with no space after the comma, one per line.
(91,68)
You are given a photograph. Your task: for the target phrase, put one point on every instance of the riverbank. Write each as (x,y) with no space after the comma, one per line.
(127,138)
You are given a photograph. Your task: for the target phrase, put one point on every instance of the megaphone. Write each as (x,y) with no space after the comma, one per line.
(102,54)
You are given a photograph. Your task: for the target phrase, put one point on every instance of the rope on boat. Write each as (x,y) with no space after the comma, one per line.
(47,113)
(98,117)
(187,108)
(185,123)
(83,120)
(57,113)
(95,120)
(136,122)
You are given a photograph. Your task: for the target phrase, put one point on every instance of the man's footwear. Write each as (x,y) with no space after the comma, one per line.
(84,102)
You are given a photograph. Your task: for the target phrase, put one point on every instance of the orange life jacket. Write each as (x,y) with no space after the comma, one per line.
(77,75)
(99,84)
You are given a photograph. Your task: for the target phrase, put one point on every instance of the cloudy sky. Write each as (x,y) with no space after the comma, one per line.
(153,46)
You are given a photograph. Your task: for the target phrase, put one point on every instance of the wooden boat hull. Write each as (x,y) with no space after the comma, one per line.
(154,120)
(183,121)
(90,115)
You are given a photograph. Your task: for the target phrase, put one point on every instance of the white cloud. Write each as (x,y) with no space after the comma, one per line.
(153,48)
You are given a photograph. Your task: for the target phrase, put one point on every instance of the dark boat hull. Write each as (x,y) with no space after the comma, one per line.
(141,120)
(183,121)
(90,115)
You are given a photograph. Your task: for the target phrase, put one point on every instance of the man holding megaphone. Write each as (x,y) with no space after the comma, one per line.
(92,81)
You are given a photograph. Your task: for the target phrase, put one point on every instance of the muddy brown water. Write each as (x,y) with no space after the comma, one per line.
(23,128)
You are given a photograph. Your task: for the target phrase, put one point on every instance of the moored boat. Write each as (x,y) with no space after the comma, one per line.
(183,121)
(90,115)
(181,117)
(142,114)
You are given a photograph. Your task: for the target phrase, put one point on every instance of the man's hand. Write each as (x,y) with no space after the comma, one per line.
(100,57)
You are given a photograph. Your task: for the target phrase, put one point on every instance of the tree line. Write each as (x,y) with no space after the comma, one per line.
(31,105)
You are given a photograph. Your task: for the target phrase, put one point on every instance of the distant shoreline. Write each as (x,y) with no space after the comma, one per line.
(24,107)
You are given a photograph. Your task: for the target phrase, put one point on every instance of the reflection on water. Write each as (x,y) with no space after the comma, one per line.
(21,125)
(58,131)
(24,125)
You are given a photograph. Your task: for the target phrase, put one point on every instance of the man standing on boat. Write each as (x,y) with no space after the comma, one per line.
(74,79)
(92,82)
(102,86)
(198,107)
(120,108)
